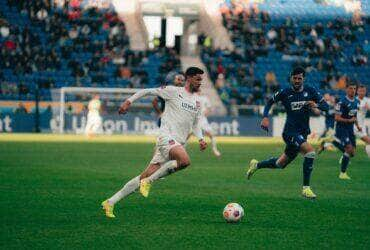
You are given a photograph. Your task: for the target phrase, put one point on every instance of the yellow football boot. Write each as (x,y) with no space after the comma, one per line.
(145,186)
(344,176)
(252,168)
(308,193)
(108,209)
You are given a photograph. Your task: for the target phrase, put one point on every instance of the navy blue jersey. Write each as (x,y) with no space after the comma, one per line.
(298,113)
(347,109)
(330,116)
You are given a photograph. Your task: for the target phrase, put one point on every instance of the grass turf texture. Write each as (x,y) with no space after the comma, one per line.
(52,186)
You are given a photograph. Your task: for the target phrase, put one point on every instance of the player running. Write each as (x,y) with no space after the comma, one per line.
(361,116)
(159,103)
(329,122)
(180,118)
(204,124)
(299,101)
(345,117)
(94,120)
(343,128)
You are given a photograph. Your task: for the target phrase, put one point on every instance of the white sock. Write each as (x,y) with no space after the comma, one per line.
(166,169)
(127,189)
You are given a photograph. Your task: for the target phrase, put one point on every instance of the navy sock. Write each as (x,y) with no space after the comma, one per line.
(345,162)
(270,163)
(339,146)
(307,169)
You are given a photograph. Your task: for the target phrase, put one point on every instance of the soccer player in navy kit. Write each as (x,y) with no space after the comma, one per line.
(299,102)
(345,117)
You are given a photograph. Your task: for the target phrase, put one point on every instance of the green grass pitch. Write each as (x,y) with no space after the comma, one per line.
(51,189)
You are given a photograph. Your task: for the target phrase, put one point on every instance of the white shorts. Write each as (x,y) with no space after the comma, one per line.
(162,150)
(360,134)
(94,124)
(204,125)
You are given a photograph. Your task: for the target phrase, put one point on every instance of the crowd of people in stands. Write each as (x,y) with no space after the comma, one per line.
(316,46)
(54,38)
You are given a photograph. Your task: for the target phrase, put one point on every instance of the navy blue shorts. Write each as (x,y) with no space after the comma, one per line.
(346,136)
(293,144)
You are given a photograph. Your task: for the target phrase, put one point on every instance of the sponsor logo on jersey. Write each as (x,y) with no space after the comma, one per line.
(188,106)
(297,105)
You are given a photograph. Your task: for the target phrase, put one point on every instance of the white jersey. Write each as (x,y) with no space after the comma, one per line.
(205,104)
(94,107)
(181,114)
(363,107)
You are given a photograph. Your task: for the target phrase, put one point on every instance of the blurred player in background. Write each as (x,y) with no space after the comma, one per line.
(94,120)
(205,105)
(361,116)
(158,102)
(299,102)
(329,122)
(345,117)
(180,117)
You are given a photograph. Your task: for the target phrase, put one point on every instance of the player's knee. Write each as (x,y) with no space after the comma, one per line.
(350,151)
(183,163)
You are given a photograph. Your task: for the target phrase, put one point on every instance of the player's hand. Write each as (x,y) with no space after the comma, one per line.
(359,128)
(352,120)
(265,123)
(202,144)
(311,104)
(124,107)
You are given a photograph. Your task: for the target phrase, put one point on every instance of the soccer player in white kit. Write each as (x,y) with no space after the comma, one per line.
(205,105)
(180,117)
(361,115)
(94,120)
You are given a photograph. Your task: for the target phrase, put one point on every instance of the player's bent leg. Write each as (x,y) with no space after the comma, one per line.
(179,160)
(349,152)
(273,163)
(309,156)
(130,187)
(179,154)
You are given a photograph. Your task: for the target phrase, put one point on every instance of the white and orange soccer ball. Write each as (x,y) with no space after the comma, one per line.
(233,212)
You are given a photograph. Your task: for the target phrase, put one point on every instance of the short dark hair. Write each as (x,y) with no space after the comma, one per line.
(192,71)
(297,71)
(351,83)
(361,86)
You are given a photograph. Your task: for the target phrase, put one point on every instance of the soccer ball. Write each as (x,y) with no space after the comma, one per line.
(233,212)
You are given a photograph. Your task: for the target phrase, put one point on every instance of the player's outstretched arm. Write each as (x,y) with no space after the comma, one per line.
(197,132)
(265,123)
(124,107)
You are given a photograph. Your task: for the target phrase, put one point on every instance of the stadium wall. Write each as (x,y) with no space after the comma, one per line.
(146,124)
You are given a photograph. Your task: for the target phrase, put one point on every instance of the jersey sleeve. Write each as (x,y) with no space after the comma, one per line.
(166,93)
(339,108)
(278,96)
(316,96)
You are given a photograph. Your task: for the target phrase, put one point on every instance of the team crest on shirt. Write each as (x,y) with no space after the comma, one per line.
(305,94)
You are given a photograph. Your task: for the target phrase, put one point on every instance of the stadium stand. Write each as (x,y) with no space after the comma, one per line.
(45,47)
(271,38)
